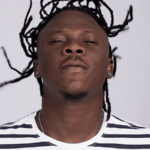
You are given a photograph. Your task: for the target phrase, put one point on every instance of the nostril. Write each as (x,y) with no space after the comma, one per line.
(79,51)
(68,50)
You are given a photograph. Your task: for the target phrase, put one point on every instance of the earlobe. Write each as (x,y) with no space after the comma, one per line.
(110,68)
(36,68)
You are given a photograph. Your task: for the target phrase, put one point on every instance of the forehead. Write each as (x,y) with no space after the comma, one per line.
(73,20)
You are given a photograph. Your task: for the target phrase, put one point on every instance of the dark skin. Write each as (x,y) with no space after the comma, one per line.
(72,102)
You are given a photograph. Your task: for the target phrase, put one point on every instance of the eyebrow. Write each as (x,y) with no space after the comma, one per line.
(61,31)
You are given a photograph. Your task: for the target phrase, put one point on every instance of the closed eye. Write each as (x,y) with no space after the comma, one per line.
(56,41)
(89,42)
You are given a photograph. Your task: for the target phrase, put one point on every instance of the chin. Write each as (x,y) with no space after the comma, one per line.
(74,96)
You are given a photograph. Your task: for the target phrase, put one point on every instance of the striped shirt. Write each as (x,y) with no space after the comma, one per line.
(115,134)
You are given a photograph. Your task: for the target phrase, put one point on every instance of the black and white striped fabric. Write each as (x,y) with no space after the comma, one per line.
(116,134)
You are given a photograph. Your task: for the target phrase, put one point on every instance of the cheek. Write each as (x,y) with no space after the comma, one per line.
(47,62)
(100,57)
(99,67)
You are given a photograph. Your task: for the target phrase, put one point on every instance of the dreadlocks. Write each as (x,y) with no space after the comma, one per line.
(30,37)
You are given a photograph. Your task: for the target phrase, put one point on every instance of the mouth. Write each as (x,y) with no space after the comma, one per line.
(75,69)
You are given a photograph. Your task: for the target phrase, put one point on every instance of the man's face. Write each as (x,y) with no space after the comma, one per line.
(53,55)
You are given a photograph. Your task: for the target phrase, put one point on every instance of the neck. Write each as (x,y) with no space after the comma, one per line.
(71,122)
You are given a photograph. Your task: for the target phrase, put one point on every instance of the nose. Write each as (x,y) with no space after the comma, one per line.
(73,49)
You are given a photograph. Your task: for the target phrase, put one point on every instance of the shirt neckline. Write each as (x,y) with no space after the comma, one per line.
(68,146)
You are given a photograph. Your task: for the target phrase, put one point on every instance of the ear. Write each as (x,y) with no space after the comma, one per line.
(36,68)
(110,67)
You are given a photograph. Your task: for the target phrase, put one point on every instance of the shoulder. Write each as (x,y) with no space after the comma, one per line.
(128,131)
(19,134)
(18,126)
(124,124)
(123,134)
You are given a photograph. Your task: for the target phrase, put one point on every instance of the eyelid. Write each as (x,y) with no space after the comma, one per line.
(90,41)
(56,40)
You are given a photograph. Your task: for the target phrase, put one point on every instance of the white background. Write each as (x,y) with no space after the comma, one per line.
(129,91)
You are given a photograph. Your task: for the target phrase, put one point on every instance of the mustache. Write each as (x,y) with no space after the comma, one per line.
(74,58)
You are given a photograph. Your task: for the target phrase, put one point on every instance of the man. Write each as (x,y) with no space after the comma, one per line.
(73,60)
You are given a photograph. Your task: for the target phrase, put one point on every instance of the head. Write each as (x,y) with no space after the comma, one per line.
(75,43)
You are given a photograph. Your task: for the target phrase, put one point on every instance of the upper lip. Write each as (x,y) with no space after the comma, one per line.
(74,64)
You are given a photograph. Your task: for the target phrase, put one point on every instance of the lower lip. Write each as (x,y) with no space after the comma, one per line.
(75,69)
